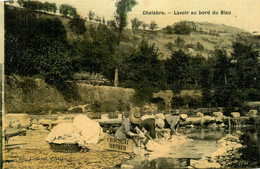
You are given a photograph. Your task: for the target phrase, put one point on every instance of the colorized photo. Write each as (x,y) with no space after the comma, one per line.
(130,84)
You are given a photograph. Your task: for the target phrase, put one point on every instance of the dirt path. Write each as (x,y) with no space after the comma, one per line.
(31,151)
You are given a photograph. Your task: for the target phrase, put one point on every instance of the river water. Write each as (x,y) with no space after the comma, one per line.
(202,144)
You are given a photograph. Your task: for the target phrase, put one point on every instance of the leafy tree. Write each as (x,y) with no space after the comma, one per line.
(136,23)
(169,30)
(77,25)
(182,28)
(68,10)
(32,5)
(20,2)
(49,7)
(199,46)
(153,25)
(197,65)
(179,41)
(91,15)
(51,60)
(96,56)
(122,8)
(143,71)
(103,21)
(98,19)
(30,40)
(176,70)
(144,25)
(246,63)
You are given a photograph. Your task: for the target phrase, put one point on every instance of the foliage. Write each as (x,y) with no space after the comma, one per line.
(38,6)
(144,25)
(179,41)
(153,25)
(91,15)
(68,10)
(51,60)
(182,28)
(143,71)
(77,25)
(96,56)
(122,8)
(36,48)
(136,23)
(176,70)
(199,46)
(50,7)
(169,30)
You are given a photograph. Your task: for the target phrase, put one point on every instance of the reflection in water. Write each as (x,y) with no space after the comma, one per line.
(204,144)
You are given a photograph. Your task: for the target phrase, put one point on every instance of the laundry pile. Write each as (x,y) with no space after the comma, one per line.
(82,130)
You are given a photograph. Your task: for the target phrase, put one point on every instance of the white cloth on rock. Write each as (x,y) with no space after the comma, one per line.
(82,130)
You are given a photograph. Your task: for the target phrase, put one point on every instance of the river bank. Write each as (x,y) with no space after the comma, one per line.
(31,151)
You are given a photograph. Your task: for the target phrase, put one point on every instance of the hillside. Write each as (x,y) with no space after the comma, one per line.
(209,35)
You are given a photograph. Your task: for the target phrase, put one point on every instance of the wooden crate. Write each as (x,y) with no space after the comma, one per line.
(111,143)
(65,148)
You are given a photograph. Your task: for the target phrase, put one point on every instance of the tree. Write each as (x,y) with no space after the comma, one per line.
(77,25)
(179,41)
(98,19)
(20,2)
(91,15)
(199,46)
(144,25)
(103,21)
(96,56)
(182,28)
(143,71)
(136,23)
(246,63)
(153,25)
(52,62)
(49,7)
(177,70)
(122,8)
(68,10)
(32,5)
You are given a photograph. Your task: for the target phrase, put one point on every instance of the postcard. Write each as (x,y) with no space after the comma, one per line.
(130,84)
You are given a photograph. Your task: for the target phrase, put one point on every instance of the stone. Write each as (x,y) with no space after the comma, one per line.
(125,166)
(104,117)
(35,121)
(37,127)
(209,119)
(218,114)
(235,114)
(199,114)
(252,113)
(203,163)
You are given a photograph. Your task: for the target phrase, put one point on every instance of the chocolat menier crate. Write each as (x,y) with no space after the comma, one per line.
(111,143)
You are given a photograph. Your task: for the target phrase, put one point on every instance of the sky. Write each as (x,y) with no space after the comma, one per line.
(245,14)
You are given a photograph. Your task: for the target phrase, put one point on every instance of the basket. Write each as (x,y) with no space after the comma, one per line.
(65,147)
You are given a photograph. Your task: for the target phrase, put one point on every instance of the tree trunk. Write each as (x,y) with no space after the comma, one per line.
(116,77)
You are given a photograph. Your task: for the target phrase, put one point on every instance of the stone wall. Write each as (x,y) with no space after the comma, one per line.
(34,96)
